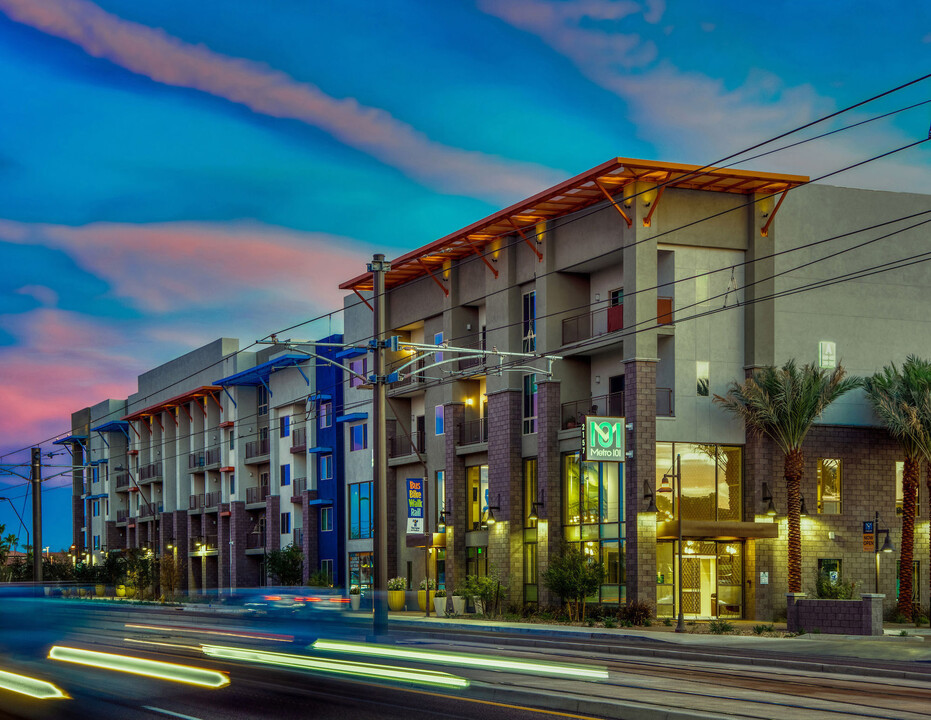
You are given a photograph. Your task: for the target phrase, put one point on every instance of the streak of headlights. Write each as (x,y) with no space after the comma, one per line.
(487,662)
(341,667)
(33,687)
(141,666)
(181,630)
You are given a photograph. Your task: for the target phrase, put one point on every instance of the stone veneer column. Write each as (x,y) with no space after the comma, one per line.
(223,546)
(113,537)
(455,501)
(505,476)
(272,523)
(240,527)
(77,522)
(640,409)
(181,535)
(549,483)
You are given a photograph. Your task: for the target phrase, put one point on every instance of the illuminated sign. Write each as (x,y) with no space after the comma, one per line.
(415,520)
(827,355)
(603,439)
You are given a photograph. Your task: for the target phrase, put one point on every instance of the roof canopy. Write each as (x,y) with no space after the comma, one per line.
(70,439)
(260,373)
(606,181)
(202,391)
(112,426)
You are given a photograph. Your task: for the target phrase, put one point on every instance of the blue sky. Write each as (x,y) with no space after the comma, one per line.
(172,172)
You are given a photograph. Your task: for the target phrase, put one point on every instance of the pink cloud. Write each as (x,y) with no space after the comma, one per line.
(165,59)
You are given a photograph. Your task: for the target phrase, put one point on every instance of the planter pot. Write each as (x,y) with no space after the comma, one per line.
(396,600)
(422,599)
(479,605)
(354,601)
(121,591)
(459,605)
(439,605)
(99,590)
(130,591)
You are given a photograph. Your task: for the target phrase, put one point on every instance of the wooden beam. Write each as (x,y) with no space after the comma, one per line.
(526,240)
(614,203)
(430,273)
(764,231)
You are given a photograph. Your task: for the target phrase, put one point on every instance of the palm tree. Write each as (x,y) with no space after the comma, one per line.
(783,404)
(898,396)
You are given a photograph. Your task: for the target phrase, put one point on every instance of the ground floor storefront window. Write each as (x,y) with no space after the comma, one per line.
(477,561)
(712,579)
(361,565)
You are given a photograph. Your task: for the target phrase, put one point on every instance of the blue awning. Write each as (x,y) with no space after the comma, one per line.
(316,397)
(97,497)
(98,462)
(352,417)
(70,439)
(113,426)
(320,501)
(319,449)
(351,353)
(260,373)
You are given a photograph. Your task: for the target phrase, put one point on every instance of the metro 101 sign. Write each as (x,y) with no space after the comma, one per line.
(603,439)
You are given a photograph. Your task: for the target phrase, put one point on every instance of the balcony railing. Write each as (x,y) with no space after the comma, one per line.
(607,320)
(255,540)
(408,378)
(299,485)
(122,515)
(212,499)
(664,405)
(298,440)
(213,456)
(151,471)
(194,502)
(401,445)
(196,460)
(257,448)
(151,509)
(299,537)
(467,363)
(611,405)
(474,431)
(122,481)
(256,494)
(204,542)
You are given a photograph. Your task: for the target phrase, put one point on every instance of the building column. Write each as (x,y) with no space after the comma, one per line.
(505,484)
(640,408)
(240,527)
(455,501)
(181,535)
(549,483)
(223,546)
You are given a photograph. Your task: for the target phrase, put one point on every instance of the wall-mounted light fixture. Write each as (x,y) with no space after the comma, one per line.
(649,496)
(533,508)
(490,515)
(804,510)
(767,498)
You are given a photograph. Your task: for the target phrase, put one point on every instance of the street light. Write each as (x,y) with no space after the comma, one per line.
(887,546)
(665,487)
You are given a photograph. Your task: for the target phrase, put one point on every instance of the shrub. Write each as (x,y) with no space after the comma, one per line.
(428,584)
(720,627)
(760,629)
(319,578)
(441,593)
(354,590)
(897,616)
(397,583)
(286,567)
(610,622)
(826,587)
(920,620)
(488,589)
(638,613)
(574,577)
(667,622)
(903,633)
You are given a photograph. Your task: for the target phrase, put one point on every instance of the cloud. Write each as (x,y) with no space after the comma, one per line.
(168,60)
(169,267)
(43,295)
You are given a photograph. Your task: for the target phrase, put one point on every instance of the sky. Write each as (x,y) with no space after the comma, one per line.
(173,172)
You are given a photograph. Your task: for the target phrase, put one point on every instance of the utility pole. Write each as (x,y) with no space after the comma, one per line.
(378,268)
(36,480)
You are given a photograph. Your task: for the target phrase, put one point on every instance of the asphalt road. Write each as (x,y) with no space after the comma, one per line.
(645,680)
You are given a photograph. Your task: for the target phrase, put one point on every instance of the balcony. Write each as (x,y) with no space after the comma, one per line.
(469,363)
(213,456)
(255,540)
(194,502)
(212,499)
(151,472)
(196,460)
(206,543)
(401,445)
(122,515)
(474,431)
(299,537)
(611,405)
(410,383)
(257,449)
(606,320)
(664,404)
(151,509)
(299,440)
(256,494)
(122,481)
(298,486)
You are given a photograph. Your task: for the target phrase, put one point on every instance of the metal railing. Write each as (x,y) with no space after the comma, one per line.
(298,439)
(299,537)
(122,481)
(474,431)
(151,509)
(194,502)
(611,405)
(256,494)
(257,448)
(212,499)
(213,456)
(664,404)
(204,542)
(299,485)
(151,471)
(122,515)
(474,343)
(605,320)
(402,445)
(196,460)
(255,540)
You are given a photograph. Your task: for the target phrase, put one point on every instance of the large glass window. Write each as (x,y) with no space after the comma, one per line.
(358,367)
(477,499)
(360,511)
(712,481)
(530,491)
(326,467)
(439,426)
(262,399)
(358,436)
(477,561)
(438,340)
(284,426)
(829,486)
(530,322)
(440,504)
(530,404)
(360,569)
(325,415)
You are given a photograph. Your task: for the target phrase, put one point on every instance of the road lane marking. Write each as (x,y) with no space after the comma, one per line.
(169,712)
(181,629)
(141,666)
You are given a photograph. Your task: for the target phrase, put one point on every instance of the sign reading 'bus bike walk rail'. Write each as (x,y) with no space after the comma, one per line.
(603,439)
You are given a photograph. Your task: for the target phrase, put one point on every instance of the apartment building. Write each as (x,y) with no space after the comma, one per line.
(216,460)
(611,273)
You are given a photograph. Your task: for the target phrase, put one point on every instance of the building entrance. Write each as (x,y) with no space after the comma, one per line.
(711,579)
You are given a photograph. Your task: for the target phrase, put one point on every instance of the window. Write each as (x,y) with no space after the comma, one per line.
(829,486)
(703,372)
(357,366)
(530,322)
(262,399)
(325,416)
(326,519)
(360,511)
(285,475)
(899,494)
(712,481)
(326,467)
(96,542)
(358,437)
(96,508)
(263,479)
(96,472)
(477,500)
(829,567)
(616,297)
(327,567)
(232,440)
(440,493)
(360,568)
(530,492)
(530,404)
(232,483)
(439,420)
(285,523)
(284,427)
(438,340)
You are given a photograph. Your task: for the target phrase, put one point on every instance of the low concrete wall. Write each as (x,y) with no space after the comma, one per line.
(835,617)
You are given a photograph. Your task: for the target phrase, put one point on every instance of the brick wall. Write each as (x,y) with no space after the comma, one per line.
(505,479)
(223,546)
(549,483)
(456,510)
(835,617)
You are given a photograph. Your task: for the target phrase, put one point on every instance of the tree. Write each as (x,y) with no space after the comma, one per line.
(574,577)
(286,566)
(169,574)
(783,403)
(897,397)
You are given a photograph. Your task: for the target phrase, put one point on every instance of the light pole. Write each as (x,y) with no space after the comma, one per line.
(378,267)
(887,547)
(676,476)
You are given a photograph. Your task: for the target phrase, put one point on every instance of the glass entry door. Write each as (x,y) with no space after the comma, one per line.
(711,579)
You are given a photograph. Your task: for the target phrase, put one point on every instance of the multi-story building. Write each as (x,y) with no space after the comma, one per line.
(216,472)
(655,285)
